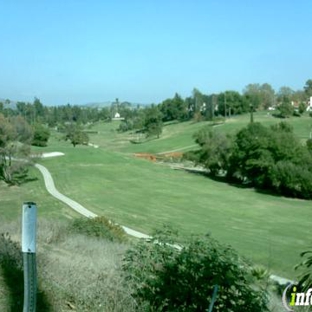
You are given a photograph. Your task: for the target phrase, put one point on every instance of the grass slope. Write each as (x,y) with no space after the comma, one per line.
(13,197)
(179,136)
(271,230)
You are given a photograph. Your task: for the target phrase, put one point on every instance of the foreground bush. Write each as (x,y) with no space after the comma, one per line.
(164,278)
(99,227)
(75,272)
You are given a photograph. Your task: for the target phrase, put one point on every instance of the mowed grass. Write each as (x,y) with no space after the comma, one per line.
(270,230)
(179,136)
(174,136)
(13,197)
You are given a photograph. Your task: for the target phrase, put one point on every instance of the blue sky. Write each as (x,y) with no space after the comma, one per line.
(144,51)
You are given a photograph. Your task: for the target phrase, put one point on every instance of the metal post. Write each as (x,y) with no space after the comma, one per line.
(251,113)
(213,106)
(214,297)
(29,219)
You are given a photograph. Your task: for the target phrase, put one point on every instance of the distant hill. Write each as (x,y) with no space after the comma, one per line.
(12,104)
(97,104)
(109,103)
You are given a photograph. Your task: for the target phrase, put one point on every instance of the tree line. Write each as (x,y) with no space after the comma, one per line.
(35,119)
(200,106)
(267,158)
(149,119)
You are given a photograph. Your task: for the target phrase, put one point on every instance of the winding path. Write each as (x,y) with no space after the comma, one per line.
(49,183)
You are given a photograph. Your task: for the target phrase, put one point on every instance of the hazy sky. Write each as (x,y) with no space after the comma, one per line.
(71,51)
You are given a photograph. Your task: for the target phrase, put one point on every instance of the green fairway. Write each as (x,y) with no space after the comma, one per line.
(13,197)
(270,230)
(179,136)
(109,181)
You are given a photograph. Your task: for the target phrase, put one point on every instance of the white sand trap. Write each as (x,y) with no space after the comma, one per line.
(93,145)
(52,154)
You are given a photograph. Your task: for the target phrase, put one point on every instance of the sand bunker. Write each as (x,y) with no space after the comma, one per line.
(52,154)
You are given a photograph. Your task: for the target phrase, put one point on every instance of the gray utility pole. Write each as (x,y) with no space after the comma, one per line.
(224,105)
(29,228)
(251,113)
(213,105)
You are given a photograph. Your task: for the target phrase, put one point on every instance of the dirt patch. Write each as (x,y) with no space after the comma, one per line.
(173,155)
(158,157)
(147,156)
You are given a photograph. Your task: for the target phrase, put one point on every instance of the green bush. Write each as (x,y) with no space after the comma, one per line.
(164,278)
(292,180)
(41,135)
(271,158)
(125,125)
(99,227)
(215,150)
(218,120)
(305,277)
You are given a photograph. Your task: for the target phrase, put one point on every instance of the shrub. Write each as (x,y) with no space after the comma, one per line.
(99,227)
(11,268)
(41,135)
(291,180)
(305,277)
(125,125)
(166,279)
(75,272)
(218,120)
(215,150)
(271,158)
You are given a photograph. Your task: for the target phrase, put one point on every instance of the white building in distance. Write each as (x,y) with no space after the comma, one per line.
(117,117)
(309,108)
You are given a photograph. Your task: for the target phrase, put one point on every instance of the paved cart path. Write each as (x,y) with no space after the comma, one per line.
(49,183)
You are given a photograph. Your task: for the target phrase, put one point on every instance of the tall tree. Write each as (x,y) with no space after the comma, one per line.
(267,96)
(232,103)
(38,110)
(285,92)
(259,96)
(75,134)
(198,100)
(215,150)
(252,92)
(285,107)
(174,109)
(15,135)
(308,88)
(153,121)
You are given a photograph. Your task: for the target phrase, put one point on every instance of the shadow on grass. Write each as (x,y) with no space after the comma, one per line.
(172,122)
(221,179)
(22,181)
(11,264)
(272,193)
(28,180)
(234,183)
